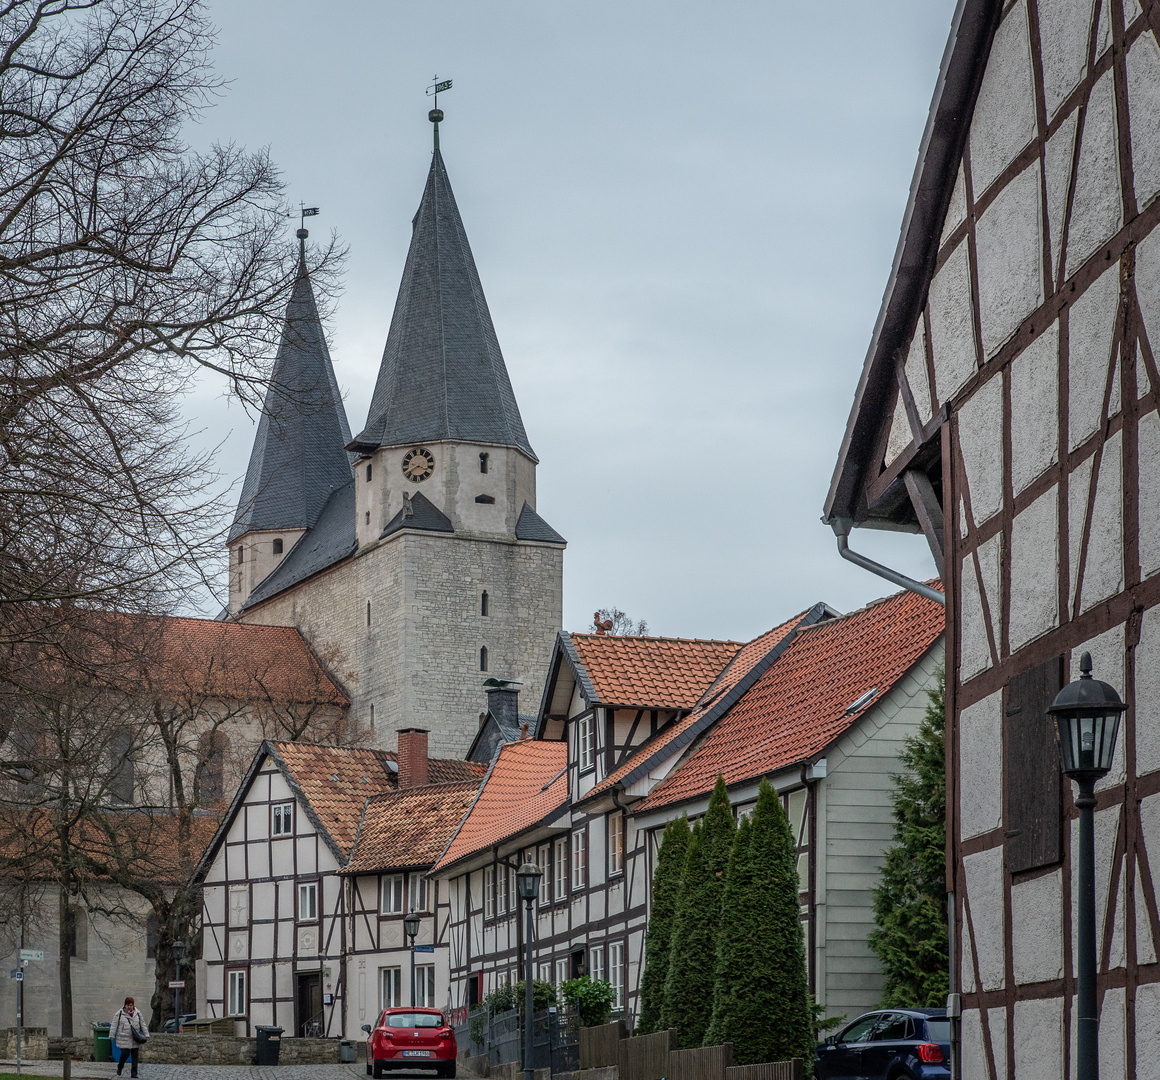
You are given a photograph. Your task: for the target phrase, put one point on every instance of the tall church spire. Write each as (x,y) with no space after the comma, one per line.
(442,375)
(298,460)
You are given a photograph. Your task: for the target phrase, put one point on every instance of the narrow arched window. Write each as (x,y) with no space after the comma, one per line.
(483,658)
(368,613)
(241,555)
(368,472)
(483,463)
(483,609)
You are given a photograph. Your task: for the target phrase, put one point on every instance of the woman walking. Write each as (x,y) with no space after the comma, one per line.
(128,1032)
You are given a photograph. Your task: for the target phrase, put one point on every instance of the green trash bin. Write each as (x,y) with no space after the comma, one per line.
(102,1046)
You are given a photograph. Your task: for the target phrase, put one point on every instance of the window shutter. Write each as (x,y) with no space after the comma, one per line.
(1034,781)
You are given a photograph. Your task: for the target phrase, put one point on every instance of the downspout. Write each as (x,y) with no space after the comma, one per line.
(841,527)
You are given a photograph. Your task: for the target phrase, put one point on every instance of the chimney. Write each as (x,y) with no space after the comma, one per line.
(503,698)
(412,757)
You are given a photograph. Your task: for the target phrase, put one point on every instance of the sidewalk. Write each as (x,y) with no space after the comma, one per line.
(103,1070)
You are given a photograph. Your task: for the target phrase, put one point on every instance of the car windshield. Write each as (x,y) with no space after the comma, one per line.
(938,1030)
(413,1020)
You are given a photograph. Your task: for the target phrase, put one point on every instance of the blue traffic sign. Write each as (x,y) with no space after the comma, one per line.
(16,974)
(424,948)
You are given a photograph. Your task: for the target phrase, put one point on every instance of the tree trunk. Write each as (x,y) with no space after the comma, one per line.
(65,961)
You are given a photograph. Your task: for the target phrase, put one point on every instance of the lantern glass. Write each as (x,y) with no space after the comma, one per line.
(528,880)
(178,950)
(1087,744)
(411,924)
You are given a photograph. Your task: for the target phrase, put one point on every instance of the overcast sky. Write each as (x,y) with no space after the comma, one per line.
(683,215)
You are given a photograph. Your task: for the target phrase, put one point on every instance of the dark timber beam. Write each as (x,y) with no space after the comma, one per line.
(929,514)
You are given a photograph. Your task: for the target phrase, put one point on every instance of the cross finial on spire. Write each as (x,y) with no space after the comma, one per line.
(436,114)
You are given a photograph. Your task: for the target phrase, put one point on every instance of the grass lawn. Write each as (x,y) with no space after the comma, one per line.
(27,1076)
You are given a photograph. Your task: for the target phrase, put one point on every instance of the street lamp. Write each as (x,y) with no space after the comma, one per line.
(411,928)
(528,882)
(1087,713)
(178,953)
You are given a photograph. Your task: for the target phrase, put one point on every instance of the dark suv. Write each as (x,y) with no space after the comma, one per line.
(890,1044)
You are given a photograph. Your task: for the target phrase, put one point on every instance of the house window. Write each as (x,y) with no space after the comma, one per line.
(544,972)
(483,462)
(236,998)
(418,892)
(278,545)
(616,843)
(579,859)
(545,863)
(390,987)
(368,472)
(308,901)
(489,892)
(596,963)
(283,819)
(616,972)
(483,658)
(121,778)
(425,986)
(483,609)
(392,895)
(561,970)
(560,889)
(586,735)
(501,890)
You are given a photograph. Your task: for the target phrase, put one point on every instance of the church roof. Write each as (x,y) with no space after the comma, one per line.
(442,374)
(299,458)
(533,527)
(421,514)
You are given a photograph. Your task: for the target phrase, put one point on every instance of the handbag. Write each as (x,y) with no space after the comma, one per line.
(137,1038)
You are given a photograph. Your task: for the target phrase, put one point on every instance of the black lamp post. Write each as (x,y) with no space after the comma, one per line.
(411,928)
(1087,712)
(528,882)
(178,953)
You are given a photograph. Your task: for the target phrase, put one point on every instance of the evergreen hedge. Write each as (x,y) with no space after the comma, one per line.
(688,1004)
(910,905)
(666,888)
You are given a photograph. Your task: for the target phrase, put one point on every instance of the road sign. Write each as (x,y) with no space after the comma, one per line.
(424,948)
(16,974)
(176,984)
(31,954)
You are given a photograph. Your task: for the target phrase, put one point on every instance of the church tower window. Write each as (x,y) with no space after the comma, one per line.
(368,613)
(241,555)
(488,500)
(483,658)
(483,608)
(277,545)
(483,463)
(368,472)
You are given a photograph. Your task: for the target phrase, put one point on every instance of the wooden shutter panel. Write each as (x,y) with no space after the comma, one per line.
(1034,782)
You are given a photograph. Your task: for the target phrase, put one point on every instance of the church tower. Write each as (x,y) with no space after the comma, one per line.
(424,570)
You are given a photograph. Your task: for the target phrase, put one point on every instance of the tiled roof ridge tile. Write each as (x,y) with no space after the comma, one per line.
(653,637)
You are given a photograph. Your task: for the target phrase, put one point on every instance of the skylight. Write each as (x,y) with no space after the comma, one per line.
(860,703)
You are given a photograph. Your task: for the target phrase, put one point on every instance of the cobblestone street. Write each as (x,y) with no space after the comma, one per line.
(89,1070)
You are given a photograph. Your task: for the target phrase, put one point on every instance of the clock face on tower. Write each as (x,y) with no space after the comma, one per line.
(418,464)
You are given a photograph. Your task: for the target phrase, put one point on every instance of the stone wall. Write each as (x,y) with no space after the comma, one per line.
(34,1043)
(189,1049)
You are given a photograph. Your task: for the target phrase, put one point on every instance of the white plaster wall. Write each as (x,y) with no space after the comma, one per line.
(1148,1032)
(1148,454)
(952,325)
(1035,409)
(1148,697)
(980,773)
(1143,68)
(981,442)
(1063,39)
(1035,570)
(916,375)
(974,648)
(1038,1038)
(1036,918)
(1090,328)
(984,881)
(1097,212)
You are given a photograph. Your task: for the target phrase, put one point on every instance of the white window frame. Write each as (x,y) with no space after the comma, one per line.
(615,843)
(560,864)
(236,992)
(586,742)
(390,987)
(544,971)
(425,986)
(489,892)
(579,858)
(616,973)
(562,970)
(596,963)
(282,819)
(419,894)
(501,889)
(308,901)
(393,895)
(545,861)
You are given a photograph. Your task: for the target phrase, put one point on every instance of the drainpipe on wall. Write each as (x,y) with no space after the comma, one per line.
(841,527)
(954,999)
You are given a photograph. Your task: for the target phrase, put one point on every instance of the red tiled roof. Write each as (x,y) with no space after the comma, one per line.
(338,780)
(527,781)
(798,707)
(409,827)
(742,663)
(654,672)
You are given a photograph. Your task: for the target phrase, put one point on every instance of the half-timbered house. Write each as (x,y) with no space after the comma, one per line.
(282,925)
(1008,410)
(634,731)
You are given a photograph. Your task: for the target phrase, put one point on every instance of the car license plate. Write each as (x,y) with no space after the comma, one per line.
(416,1053)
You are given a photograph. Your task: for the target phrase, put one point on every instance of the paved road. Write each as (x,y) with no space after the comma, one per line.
(90,1070)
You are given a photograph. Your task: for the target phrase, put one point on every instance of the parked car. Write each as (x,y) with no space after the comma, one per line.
(408,1039)
(888,1044)
(171,1026)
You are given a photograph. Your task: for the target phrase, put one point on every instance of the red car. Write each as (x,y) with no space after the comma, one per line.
(407,1039)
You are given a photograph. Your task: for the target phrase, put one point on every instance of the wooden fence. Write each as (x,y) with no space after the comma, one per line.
(599,1046)
(646,1057)
(701,1063)
(769,1070)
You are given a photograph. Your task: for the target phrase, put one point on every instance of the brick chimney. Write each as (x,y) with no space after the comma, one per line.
(412,757)
(503,696)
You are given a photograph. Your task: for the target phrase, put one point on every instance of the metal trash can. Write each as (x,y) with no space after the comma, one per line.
(102,1046)
(269,1044)
(346,1051)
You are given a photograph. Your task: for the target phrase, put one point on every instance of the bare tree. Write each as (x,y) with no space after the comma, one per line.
(611,620)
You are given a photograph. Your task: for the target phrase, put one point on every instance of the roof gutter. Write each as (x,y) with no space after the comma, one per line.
(841,527)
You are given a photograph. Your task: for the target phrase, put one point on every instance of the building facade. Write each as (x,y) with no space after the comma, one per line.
(1008,410)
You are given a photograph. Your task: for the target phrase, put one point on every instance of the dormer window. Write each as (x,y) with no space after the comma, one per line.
(488,500)
(483,462)
(277,545)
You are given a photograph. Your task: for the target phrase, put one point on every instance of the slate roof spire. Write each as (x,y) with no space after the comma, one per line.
(299,458)
(442,375)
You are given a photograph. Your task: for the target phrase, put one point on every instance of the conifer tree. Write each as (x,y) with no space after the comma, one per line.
(910,905)
(666,887)
(761,995)
(688,1003)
